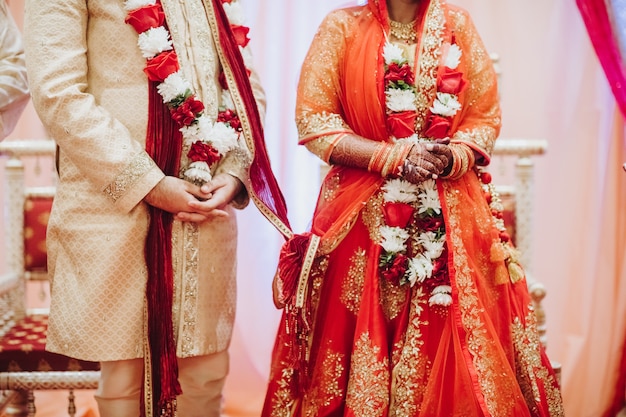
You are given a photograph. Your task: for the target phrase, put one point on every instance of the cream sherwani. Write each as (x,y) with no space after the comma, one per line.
(90,91)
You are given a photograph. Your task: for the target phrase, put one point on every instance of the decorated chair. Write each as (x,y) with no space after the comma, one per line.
(25,366)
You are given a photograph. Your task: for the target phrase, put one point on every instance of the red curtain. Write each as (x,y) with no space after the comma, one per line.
(603,35)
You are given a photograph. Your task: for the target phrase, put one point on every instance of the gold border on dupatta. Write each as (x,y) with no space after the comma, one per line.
(428,61)
(244,118)
(477,341)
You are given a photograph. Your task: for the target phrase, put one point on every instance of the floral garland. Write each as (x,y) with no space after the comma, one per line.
(401,199)
(207,141)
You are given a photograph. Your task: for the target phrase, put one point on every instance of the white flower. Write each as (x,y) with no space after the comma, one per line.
(393,53)
(234,12)
(432,246)
(227,100)
(198,171)
(445,104)
(130,5)
(441,295)
(223,137)
(429,199)
(420,268)
(154,41)
(393,239)
(400,100)
(399,190)
(454,56)
(173,86)
(246,54)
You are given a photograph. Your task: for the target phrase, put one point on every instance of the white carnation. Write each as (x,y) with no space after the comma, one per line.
(393,53)
(173,86)
(191,133)
(198,172)
(399,190)
(429,199)
(445,105)
(234,12)
(441,295)
(393,239)
(420,268)
(400,100)
(154,41)
(246,54)
(454,57)
(433,247)
(130,5)
(223,137)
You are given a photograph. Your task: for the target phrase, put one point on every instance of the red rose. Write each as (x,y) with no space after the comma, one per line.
(241,35)
(226,1)
(162,65)
(397,269)
(230,117)
(451,82)
(401,125)
(203,152)
(186,113)
(397,214)
(146,17)
(437,127)
(397,73)
(430,224)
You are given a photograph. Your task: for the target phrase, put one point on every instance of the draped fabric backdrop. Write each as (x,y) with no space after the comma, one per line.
(553,87)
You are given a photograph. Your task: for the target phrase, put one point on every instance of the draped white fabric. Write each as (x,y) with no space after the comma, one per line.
(552,88)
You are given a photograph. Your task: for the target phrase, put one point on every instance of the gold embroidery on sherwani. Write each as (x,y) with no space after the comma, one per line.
(410,373)
(138,167)
(426,80)
(327,388)
(190,290)
(530,368)
(367,394)
(478,343)
(352,287)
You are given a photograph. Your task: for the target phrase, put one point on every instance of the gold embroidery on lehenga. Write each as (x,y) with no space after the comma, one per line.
(373,216)
(368,387)
(352,286)
(330,187)
(283,399)
(496,387)
(411,372)
(393,297)
(327,387)
(529,367)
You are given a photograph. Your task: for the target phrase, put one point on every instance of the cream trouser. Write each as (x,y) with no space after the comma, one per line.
(201,378)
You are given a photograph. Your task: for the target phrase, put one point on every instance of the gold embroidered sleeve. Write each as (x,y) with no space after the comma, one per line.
(318,105)
(480,124)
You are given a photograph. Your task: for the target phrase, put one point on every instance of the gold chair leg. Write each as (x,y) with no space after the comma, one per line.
(71,407)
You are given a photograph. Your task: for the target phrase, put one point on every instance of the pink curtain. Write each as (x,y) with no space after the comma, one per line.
(602,21)
(597,17)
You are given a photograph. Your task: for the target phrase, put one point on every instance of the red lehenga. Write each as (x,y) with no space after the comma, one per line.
(352,343)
